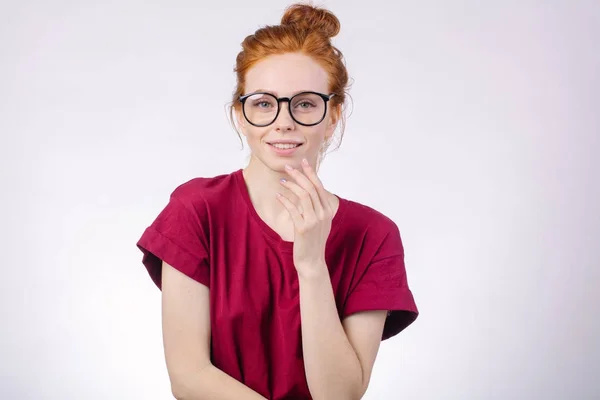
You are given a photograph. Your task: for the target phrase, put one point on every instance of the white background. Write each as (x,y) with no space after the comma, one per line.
(475,126)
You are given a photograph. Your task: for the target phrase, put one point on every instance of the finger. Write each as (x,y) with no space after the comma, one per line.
(308,186)
(317,184)
(292,209)
(306,203)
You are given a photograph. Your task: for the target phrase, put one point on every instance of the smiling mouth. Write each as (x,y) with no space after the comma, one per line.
(285,146)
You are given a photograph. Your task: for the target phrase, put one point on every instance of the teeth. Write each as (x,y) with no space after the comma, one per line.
(284,145)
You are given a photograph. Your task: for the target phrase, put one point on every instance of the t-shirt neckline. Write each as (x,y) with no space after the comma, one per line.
(271,234)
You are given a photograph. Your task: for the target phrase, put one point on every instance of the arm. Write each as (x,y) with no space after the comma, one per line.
(186,336)
(338,357)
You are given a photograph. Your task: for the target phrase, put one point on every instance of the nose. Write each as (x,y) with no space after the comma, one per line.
(284,121)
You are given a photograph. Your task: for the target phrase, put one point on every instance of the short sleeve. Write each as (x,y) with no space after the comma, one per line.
(384,286)
(176,236)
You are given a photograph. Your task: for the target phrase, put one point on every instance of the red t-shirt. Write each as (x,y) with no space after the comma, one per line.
(210,231)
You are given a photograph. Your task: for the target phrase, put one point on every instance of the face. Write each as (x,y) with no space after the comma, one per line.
(285,141)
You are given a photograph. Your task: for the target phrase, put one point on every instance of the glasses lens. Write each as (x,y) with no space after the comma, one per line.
(307,108)
(260,109)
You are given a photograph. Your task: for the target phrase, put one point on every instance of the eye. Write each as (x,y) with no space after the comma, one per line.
(307,102)
(262,103)
(304,104)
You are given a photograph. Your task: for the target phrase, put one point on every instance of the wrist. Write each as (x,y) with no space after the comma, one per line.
(312,271)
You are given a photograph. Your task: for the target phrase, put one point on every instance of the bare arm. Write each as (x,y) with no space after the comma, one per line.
(186,336)
(338,356)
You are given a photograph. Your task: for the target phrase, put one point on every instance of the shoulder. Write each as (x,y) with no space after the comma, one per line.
(375,229)
(200,192)
(364,217)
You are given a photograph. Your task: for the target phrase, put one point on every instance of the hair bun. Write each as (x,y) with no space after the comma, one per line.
(309,18)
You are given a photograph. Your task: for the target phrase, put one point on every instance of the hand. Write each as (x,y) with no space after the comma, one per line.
(312,223)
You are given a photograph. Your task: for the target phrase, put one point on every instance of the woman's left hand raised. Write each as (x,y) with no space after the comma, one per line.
(312,219)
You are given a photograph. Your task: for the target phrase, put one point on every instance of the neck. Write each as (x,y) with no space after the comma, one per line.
(263,184)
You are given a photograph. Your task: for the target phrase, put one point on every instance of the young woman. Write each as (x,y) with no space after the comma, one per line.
(272,286)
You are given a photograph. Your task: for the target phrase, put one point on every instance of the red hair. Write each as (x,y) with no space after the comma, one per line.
(303,29)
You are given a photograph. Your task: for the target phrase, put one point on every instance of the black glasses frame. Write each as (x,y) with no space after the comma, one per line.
(325,97)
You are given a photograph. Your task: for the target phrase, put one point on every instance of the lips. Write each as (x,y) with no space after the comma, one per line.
(285,146)
(282,148)
(283,142)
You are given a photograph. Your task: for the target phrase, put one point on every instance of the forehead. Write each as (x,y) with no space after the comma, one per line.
(286,74)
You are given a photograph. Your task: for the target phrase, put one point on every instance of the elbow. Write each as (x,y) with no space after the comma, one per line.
(357,392)
(176,393)
(183,391)
(364,385)
(179,390)
(350,386)
(358,389)
(187,386)
(336,395)
(354,391)
(358,386)
(361,392)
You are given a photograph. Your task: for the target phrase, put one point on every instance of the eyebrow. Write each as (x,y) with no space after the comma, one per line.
(276,95)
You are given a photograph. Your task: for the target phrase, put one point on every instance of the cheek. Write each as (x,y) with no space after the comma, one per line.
(317,135)
(253,134)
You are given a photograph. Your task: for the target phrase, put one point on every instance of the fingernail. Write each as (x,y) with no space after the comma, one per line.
(283,180)
(305,161)
(288,167)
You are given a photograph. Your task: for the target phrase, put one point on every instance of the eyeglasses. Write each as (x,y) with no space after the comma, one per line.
(307,108)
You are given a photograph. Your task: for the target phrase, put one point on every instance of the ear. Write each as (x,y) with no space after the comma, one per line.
(334,118)
(240,120)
